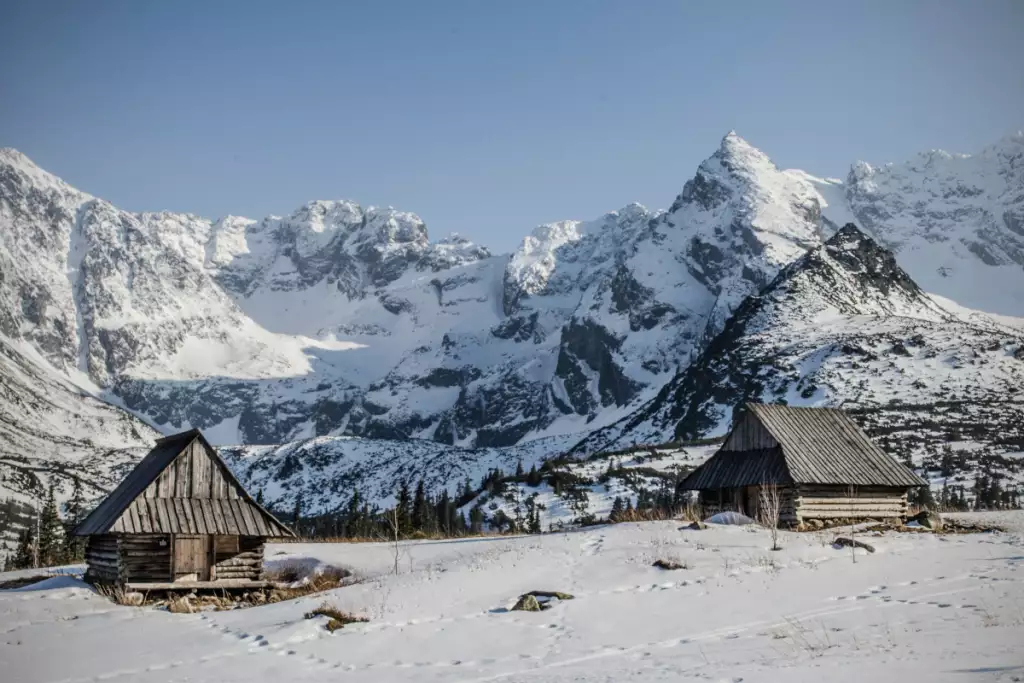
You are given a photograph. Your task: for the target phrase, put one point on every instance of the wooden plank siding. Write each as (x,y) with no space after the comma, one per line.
(195,495)
(749,435)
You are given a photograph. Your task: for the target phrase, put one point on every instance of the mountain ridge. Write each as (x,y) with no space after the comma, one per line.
(339,320)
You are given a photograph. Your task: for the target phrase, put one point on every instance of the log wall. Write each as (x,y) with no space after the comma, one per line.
(826,502)
(797,504)
(145,557)
(238,557)
(102,559)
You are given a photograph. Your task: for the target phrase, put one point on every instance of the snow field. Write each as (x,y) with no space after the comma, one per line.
(924,607)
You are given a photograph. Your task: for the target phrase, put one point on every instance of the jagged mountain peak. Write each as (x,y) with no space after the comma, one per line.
(849,274)
(736,152)
(18,170)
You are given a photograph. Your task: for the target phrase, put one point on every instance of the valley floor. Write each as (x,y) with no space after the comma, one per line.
(923,607)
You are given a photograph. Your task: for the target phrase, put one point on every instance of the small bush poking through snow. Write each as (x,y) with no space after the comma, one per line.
(336,617)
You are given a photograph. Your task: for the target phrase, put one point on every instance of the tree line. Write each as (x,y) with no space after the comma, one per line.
(421,513)
(47,538)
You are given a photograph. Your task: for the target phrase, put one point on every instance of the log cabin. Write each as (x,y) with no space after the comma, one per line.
(179,520)
(818,462)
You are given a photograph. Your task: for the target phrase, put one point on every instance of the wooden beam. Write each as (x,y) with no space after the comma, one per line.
(190,585)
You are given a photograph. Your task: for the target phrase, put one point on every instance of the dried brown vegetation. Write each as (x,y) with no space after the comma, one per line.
(336,618)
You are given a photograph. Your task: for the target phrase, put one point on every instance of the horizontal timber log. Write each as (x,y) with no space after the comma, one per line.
(102,554)
(107,547)
(844,492)
(137,553)
(845,513)
(239,563)
(836,506)
(243,556)
(851,501)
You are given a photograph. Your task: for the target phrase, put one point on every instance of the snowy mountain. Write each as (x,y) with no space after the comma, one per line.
(347,320)
(845,325)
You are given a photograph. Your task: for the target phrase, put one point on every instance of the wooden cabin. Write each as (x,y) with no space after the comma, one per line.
(180,519)
(822,465)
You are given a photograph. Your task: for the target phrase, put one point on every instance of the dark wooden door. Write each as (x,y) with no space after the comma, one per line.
(191,558)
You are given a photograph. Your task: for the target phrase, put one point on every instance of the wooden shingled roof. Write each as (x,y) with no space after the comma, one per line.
(740,468)
(813,446)
(182,486)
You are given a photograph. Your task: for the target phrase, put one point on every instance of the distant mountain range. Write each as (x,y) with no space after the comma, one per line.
(897,293)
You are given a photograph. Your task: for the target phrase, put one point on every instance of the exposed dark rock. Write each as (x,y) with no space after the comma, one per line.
(843,542)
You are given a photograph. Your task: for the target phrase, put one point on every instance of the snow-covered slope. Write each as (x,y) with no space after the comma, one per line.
(923,607)
(53,431)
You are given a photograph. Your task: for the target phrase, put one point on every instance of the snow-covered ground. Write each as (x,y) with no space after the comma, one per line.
(924,607)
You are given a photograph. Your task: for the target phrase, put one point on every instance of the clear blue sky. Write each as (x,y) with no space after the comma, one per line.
(487,117)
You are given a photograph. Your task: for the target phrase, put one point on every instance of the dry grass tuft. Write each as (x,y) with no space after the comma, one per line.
(181,605)
(336,617)
(119,595)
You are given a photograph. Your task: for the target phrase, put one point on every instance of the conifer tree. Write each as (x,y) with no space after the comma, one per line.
(297,513)
(24,555)
(74,511)
(534,527)
(403,508)
(476,520)
(617,508)
(420,508)
(467,493)
(51,532)
(519,470)
(533,477)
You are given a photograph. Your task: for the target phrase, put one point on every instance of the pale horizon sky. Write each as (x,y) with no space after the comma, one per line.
(488,118)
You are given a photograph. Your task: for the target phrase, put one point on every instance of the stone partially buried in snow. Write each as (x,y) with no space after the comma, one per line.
(535,601)
(527,603)
(929,519)
(729,517)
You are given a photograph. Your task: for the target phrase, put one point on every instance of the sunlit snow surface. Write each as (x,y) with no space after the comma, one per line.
(923,607)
